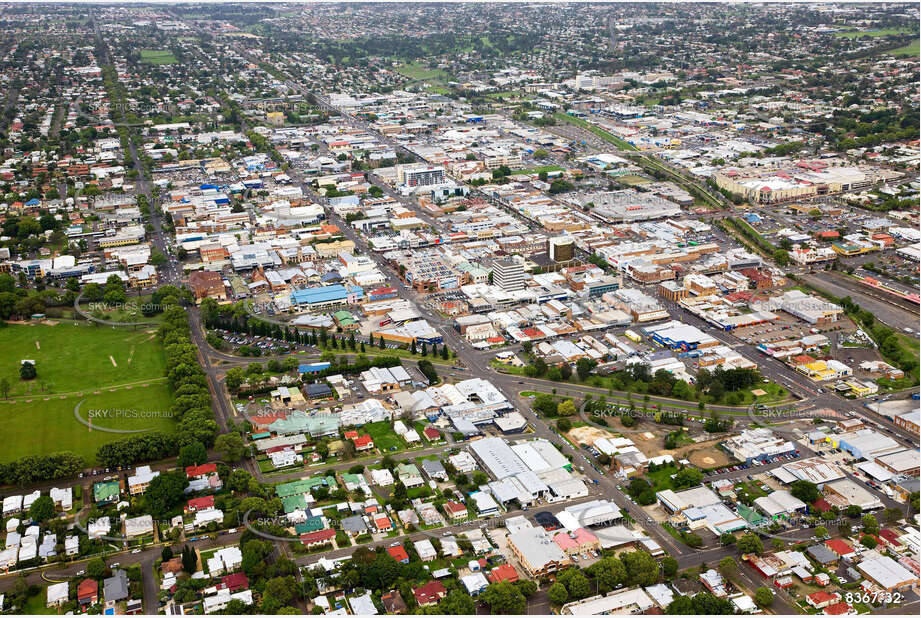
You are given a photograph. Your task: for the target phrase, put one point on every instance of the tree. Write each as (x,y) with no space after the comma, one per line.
(728,566)
(764,596)
(5,387)
(278,592)
(456,603)
(853,511)
(27,371)
(527,587)
(727,538)
(504,598)
(96,568)
(564,425)
(669,566)
(608,573)
(558,594)
(869,542)
(782,257)
(234,378)
(642,568)
(230,446)
(687,477)
(189,559)
(193,454)
(165,492)
(565,371)
(750,544)
(584,367)
(42,509)
(870,524)
(892,515)
(805,491)
(566,408)
(821,531)
(166,554)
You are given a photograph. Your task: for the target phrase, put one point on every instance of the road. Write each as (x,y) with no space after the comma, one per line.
(884,307)
(476,365)
(146,558)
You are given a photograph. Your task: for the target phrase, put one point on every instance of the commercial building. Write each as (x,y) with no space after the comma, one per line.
(508,275)
(561,248)
(537,553)
(758,445)
(780,504)
(888,574)
(630,601)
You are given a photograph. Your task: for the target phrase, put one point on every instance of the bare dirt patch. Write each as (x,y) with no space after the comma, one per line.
(708,457)
(587,434)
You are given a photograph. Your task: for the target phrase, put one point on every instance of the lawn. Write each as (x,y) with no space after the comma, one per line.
(856,34)
(542,168)
(72,358)
(417,71)
(37,605)
(632,180)
(157,56)
(911,49)
(385,439)
(143,407)
(661,479)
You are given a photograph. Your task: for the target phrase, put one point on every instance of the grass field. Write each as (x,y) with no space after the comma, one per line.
(47,424)
(632,180)
(541,168)
(111,369)
(856,34)
(415,70)
(72,358)
(907,50)
(384,437)
(157,56)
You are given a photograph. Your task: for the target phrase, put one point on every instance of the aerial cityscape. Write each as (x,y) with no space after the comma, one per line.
(460,308)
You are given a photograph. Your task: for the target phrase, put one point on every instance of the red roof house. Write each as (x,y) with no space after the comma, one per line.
(822,599)
(199,504)
(455,510)
(235,582)
(839,547)
(202,470)
(88,592)
(431,434)
(399,554)
(838,609)
(429,594)
(889,537)
(503,573)
(318,537)
(363,443)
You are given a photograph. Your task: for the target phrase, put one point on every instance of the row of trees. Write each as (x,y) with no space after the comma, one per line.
(191,407)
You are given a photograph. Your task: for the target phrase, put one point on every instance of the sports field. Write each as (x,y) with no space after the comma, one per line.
(111,369)
(911,49)
(41,425)
(72,358)
(856,34)
(157,56)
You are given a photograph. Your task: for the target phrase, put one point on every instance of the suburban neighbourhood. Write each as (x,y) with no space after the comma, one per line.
(460,308)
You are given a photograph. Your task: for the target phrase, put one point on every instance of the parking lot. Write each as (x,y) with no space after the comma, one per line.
(788,327)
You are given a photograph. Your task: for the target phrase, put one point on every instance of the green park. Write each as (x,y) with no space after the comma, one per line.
(117,374)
